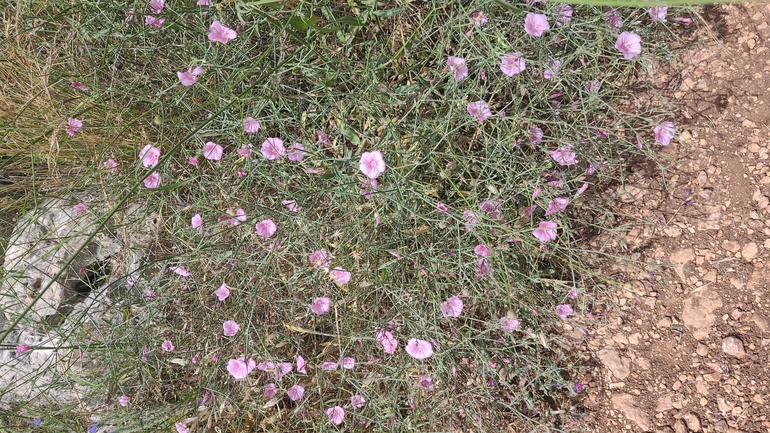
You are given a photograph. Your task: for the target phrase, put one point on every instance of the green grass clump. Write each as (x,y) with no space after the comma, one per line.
(370,77)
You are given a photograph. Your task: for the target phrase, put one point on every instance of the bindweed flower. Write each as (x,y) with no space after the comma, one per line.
(150,20)
(508,325)
(149,156)
(458,67)
(658,13)
(296,152)
(320,259)
(272,148)
(480,110)
(512,64)
(222,292)
(452,307)
(245,151)
(559,204)
(111,165)
(296,392)
(389,344)
(21,348)
(552,68)
(73,126)
(250,125)
(241,367)
(664,133)
(536,24)
(426,383)
(563,311)
(479,18)
(123,400)
(328,365)
(212,151)
(348,363)
(481,250)
(336,414)
(193,161)
(546,231)
(573,294)
(301,365)
(79,209)
(167,346)
(340,275)
(357,401)
(266,228)
(471,219)
(152,181)
(189,77)
(156,6)
(180,270)
(483,268)
(372,164)
(321,305)
(180,428)
(535,134)
(220,33)
(564,14)
(564,156)
(269,390)
(419,349)
(613,18)
(630,44)
(230,328)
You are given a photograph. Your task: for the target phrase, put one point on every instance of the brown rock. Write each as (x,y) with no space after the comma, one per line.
(665,402)
(692,421)
(625,404)
(761,322)
(680,427)
(617,365)
(698,312)
(733,346)
(683,256)
(731,246)
(749,251)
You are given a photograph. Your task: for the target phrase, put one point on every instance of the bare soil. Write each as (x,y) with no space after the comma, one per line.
(684,347)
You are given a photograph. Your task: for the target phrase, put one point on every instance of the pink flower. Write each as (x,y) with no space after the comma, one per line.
(512,64)
(320,259)
(212,151)
(245,151)
(204,3)
(193,161)
(573,294)
(220,33)
(479,19)
(613,18)
(372,164)
(323,138)
(582,189)
(272,148)
(426,383)
(111,165)
(73,126)
(181,427)
(328,365)
(348,363)
(79,209)
(296,152)
(368,187)
(357,401)
(301,365)
(240,368)
(266,228)
(536,24)
(419,349)
(79,86)
(130,17)
(481,250)
(340,275)
(630,44)
(321,305)
(239,217)
(197,223)
(190,77)
(546,231)
(156,6)
(291,205)
(480,110)
(167,346)
(149,156)
(283,368)
(509,325)
(658,13)
(335,414)
(152,181)
(250,125)
(664,133)
(442,207)
(452,307)
(150,20)
(683,20)
(21,348)
(180,270)
(563,311)
(483,268)
(458,67)
(471,219)
(535,134)
(222,292)
(564,14)
(296,392)
(230,328)
(389,344)
(552,68)
(269,390)
(559,204)
(123,400)
(563,156)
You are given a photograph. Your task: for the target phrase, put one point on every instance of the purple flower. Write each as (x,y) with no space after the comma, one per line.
(536,24)
(563,311)
(458,67)
(630,44)
(512,64)
(664,133)
(563,156)
(480,110)
(658,13)
(479,18)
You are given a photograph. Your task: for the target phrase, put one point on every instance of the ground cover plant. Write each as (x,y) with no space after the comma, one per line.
(364,216)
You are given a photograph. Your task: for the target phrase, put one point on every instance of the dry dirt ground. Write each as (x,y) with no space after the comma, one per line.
(685,347)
